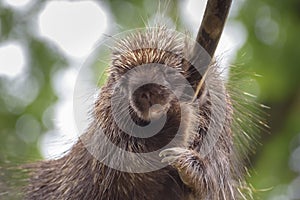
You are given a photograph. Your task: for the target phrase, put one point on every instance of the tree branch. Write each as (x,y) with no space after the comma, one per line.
(212,24)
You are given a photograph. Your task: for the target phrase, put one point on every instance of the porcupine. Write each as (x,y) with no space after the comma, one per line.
(190,173)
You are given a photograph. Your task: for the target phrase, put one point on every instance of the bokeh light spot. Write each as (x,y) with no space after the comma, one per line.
(74,26)
(12,59)
(28,128)
(18,3)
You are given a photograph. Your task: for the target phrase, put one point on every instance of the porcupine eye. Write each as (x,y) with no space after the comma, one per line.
(151,100)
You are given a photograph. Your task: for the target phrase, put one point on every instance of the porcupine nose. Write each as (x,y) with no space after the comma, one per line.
(150,97)
(146,96)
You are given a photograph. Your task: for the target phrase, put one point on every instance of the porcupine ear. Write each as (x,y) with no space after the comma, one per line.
(208,37)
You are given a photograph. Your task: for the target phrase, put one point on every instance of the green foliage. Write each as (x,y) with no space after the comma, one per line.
(43,60)
(272,50)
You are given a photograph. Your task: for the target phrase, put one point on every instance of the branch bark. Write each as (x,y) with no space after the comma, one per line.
(212,25)
(209,34)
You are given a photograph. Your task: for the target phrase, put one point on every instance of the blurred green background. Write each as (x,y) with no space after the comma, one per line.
(35,93)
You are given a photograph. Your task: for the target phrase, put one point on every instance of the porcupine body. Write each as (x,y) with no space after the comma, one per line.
(190,173)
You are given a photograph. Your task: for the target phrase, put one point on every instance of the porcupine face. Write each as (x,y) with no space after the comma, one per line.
(148,68)
(153,90)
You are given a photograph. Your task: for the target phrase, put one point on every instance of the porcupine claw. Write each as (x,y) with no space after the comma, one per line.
(184,160)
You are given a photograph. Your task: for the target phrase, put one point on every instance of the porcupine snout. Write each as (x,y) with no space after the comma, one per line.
(151,100)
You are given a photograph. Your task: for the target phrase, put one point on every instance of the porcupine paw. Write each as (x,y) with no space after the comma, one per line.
(186,161)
